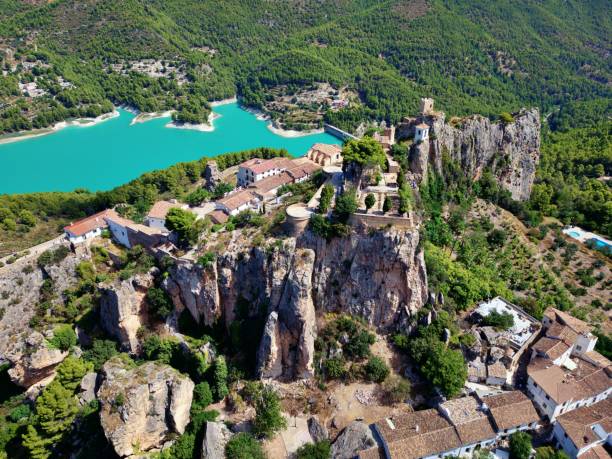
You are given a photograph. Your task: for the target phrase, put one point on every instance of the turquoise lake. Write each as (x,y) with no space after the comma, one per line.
(113,152)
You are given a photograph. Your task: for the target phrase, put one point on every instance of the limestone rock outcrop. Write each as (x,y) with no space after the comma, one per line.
(212,175)
(142,407)
(356,437)
(20,286)
(36,362)
(216,437)
(287,346)
(123,308)
(510,149)
(378,275)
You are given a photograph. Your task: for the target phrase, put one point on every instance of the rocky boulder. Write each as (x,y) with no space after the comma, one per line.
(317,430)
(216,437)
(36,362)
(356,437)
(123,308)
(143,407)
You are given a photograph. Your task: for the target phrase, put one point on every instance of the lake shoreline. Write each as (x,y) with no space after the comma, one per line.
(114,153)
(287,133)
(79,122)
(143,117)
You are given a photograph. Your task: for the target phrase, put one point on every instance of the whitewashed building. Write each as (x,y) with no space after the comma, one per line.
(156,218)
(239,201)
(565,372)
(257,169)
(89,227)
(584,431)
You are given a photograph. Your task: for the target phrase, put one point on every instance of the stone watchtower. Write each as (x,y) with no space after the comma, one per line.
(427,106)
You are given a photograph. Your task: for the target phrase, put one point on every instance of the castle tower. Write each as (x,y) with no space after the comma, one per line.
(427,106)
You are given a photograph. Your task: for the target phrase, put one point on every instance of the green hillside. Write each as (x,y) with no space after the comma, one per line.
(472,56)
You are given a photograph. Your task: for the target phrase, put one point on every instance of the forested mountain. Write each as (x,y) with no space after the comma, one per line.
(472,56)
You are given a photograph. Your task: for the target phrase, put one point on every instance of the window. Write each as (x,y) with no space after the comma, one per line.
(535,384)
(547,397)
(578,348)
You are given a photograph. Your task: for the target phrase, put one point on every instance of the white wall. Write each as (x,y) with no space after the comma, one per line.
(119,233)
(84,237)
(159,223)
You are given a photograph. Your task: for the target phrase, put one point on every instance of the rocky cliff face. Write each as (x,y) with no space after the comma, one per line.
(377,275)
(123,308)
(510,150)
(142,407)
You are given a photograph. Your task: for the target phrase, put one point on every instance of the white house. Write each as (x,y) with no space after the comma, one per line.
(421,133)
(256,169)
(585,430)
(89,227)
(128,233)
(565,372)
(239,201)
(156,218)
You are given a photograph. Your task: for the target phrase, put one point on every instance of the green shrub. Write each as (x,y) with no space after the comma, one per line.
(220,378)
(334,368)
(63,338)
(244,446)
(159,302)
(499,320)
(100,352)
(268,418)
(202,397)
(520,445)
(21,412)
(376,369)
(506,117)
(319,450)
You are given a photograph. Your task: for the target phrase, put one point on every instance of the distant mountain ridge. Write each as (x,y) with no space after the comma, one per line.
(473,56)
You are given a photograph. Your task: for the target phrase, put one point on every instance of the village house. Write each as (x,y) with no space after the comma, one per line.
(421,133)
(267,188)
(257,169)
(302,171)
(156,218)
(89,227)
(458,427)
(583,432)
(502,349)
(128,233)
(234,203)
(565,372)
(325,154)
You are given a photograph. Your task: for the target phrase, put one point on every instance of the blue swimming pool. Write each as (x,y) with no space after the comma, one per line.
(574,234)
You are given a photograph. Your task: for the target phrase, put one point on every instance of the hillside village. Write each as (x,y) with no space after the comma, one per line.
(521,374)
(541,377)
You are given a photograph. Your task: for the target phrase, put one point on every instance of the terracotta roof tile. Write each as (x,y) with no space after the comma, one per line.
(596,452)
(511,409)
(575,324)
(160,209)
(551,348)
(235,200)
(327,149)
(91,223)
(577,423)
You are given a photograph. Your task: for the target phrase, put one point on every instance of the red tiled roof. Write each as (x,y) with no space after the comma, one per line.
(235,200)
(218,216)
(327,149)
(161,208)
(259,166)
(577,423)
(91,223)
(270,183)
